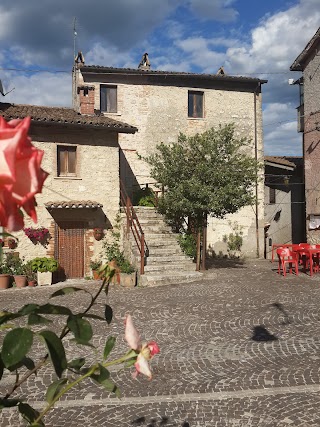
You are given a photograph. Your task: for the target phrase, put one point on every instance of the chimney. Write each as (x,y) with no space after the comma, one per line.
(79,60)
(86,100)
(144,63)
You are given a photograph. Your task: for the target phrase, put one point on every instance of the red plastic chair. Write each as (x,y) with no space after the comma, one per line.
(287,257)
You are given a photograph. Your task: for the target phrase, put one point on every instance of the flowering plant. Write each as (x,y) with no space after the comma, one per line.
(40,235)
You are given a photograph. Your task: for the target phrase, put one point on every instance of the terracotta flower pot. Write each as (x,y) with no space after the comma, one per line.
(12,244)
(98,234)
(4,281)
(32,283)
(20,280)
(96,275)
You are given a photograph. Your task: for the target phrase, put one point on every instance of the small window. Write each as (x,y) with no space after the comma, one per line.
(67,160)
(195,104)
(272,196)
(108,99)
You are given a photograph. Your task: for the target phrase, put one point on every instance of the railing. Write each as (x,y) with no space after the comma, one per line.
(133,225)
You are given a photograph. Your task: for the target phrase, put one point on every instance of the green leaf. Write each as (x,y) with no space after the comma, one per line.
(130,362)
(5,316)
(103,379)
(77,363)
(25,361)
(56,351)
(16,345)
(28,308)
(65,291)
(36,319)
(108,347)
(54,309)
(8,403)
(108,313)
(54,389)
(80,328)
(29,413)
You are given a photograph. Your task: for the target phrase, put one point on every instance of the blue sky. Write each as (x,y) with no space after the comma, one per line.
(248,37)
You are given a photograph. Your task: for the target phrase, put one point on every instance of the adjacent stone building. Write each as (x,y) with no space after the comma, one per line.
(308,62)
(284,201)
(161,104)
(82,157)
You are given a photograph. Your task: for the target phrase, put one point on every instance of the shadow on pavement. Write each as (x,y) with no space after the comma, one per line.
(260,333)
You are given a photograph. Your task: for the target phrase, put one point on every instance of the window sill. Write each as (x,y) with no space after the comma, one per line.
(196,118)
(110,114)
(68,177)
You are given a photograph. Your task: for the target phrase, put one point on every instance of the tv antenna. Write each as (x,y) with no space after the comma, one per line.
(74,36)
(2,90)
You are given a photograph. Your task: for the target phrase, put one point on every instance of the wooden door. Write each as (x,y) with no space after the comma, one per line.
(70,248)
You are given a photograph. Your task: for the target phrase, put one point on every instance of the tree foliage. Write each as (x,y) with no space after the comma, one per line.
(205,174)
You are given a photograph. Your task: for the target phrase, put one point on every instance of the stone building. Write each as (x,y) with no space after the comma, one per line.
(284,201)
(308,62)
(161,104)
(82,190)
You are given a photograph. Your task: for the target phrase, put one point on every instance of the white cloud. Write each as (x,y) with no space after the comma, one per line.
(39,89)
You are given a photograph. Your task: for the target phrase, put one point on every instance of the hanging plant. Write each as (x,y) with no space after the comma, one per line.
(12,243)
(37,235)
(98,233)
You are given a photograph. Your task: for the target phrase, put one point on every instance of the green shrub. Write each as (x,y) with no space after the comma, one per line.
(188,244)
(44,264)
(144,197)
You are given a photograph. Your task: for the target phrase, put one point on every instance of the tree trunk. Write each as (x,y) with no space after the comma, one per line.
(204,244)
(198,249)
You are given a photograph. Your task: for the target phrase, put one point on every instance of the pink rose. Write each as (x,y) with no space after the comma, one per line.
(21,176)
(145,351)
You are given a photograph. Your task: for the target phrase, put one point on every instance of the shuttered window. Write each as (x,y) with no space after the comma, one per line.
(108,99)
(67,160)
(272,196)
(195,104)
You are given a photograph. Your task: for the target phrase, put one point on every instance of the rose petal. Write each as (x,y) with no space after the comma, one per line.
(131,334)
(142,366)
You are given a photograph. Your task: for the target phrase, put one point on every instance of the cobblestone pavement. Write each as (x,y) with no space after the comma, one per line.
(210,371)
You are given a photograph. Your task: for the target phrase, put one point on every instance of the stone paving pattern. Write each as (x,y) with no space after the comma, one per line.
(210,372)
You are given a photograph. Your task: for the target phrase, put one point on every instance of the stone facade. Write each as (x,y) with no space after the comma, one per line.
(97,179)
(158,106)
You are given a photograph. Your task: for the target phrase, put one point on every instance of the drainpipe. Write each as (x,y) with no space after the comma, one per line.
(256,158)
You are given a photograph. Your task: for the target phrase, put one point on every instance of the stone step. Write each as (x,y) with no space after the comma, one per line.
(165,263)
(169,267)
(152,259)
(168,279)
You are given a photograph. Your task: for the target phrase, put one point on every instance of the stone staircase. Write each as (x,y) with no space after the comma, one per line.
(165,263)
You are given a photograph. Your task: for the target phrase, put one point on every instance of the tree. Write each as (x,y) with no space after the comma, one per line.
(207,174)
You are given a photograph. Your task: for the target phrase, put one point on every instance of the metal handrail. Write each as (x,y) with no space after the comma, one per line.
(133,224)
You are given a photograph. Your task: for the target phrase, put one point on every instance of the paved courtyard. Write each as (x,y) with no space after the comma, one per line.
(210,372)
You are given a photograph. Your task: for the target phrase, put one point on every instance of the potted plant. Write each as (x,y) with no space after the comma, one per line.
(125,273)
(95,265)
(98,233)
(12,243)
(128,274)
(31,275)
(17,268)
(44,267)
(5,274)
